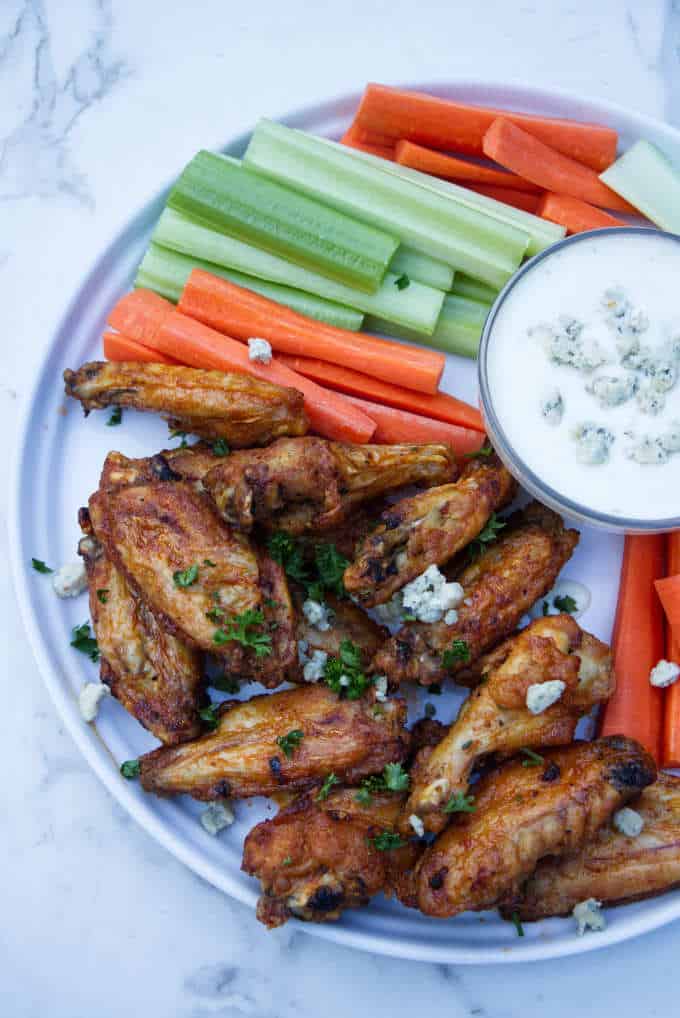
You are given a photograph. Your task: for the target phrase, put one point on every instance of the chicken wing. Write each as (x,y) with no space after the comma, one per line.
(299,484)
(427,528)
(523,814)
(155,676)
(190,463)
(347,622)
(315,859)
(496,719)
(239,408)
(612,868)
(204,583)
(500,586)
(243,756)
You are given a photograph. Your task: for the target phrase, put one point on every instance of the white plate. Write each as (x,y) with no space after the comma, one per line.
(58,464)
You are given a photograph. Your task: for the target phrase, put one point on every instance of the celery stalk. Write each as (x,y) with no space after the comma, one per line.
(422,219)
(458,330)
(542,233)
(420,267)
(649,181)
(466,286)
(415,307)
(223,194)
(166,272)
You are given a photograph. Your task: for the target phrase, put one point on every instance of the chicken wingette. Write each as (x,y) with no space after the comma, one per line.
(426,529)
(155,676)
(495,717)
(500,586)
(522,815)
(190,463)
(203,582)
(614,867)
(238,408)
(310,483)
(345,622)
(289,741)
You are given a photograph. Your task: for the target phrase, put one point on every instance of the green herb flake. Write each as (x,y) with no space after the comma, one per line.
(483,453)
(185,577)
(516,922)
(225,683)
(565,603)
(288,552)
(210,716)
(40,566)
(459,803)
(386,841)
(269,602)
(396,778)
(130,769)
(486,536)
(402,282)
(103,595)
(330,565)
(115,418)
(344,674)
(409,617)
(243,629)
(209,564)
(180,434)
(288,861)
(363,797)
(290,742)
(83,640)
(457,652)
(325,789)
(220,448)
(532,759)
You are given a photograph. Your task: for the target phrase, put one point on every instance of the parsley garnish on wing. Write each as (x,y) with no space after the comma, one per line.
(290,742)
(40,566)
(130,769)
(179,434)
(396,778)
(210,716)
(83,640)
(285,550)
(220,448)
(458,651)
(185,577)
(103,595)
(517,924)
(344,674)
(532,759)
(386,841)
(325,789)
(485,451)
(225,683)
(486,536)
(393,779)
(459,803)
(242,629)
(115,418)
(565,603)
(330,565)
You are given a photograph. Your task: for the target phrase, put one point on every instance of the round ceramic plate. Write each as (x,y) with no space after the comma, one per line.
(58,464)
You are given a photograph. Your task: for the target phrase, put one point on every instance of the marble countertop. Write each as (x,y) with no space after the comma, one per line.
(101,101)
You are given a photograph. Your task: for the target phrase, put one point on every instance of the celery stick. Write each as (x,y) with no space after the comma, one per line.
(418,266)
(541,232)
(466,286)
(416,307)
(649,181)
(225,195)
(459,328)
(423,220)
(166,272)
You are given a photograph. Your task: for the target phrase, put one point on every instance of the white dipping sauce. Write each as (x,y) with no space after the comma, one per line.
(624,290)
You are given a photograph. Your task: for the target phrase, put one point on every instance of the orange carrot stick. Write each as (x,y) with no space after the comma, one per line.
(395,427)
(122,348)
(520,152)
(668,589)
(461,170)
(670,756)
(376,147)
(440,407)
(458,127)
(242,313)
(518,199)
(192,343)
(575,214)
(636,708)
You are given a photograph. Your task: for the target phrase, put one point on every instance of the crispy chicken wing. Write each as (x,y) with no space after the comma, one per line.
(155,676)
(298,484)
(523,814)
(613,868)
(500,586)
(315,859)
(191,463)
(348,623)
(427,528)
(496,719)
(242,757)
(197,575)
(241,409)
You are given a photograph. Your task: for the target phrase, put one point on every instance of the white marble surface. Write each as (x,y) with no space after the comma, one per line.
(101,100)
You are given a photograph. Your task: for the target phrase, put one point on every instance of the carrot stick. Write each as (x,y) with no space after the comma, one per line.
(636,707)
(376,147)
(122,348)
(451,168)
(440,407)
(518,199)
(575,214)
(457,127)
(241,313)
(670,756)
(668,590)
(520,152)
(396,427)
(190,342)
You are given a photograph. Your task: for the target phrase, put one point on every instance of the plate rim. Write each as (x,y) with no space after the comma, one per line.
(86,737)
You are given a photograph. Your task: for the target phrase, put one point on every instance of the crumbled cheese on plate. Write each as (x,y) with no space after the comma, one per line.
(70,580)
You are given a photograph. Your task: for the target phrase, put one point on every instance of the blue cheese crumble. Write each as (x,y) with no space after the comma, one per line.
(89,698)
(628,821)
(541,695)
(318,614)
(259,351)
(313,668)
(216,817)
(552,408)
(593,443)
(429,597)
(664,673)
(70,580)
(588,916)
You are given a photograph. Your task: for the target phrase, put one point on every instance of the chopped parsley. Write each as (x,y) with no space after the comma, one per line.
(103,595)
(344,674)
(532,759)
(330,565)
(516,922)
(288,861)
(288,552)
(83,640)
(225,683)
(40,566)
(565,603)
(402,282)
(209,564)
(325,789)
(459,803)
(483,453)
(185,577)
(408,617)
(393,779)
(486,536)
(210,715)
(386,841)
(458,651)
(130,769)
(289,743)
(180,434)
(115,418)
(220,448)
(243,629)
(396,778)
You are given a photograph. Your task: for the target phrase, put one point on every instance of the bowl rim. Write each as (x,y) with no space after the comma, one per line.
(526,476)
